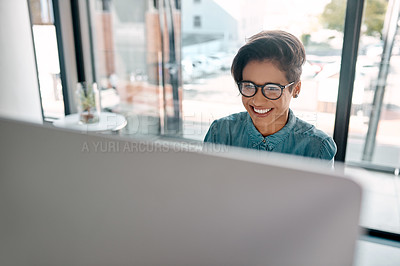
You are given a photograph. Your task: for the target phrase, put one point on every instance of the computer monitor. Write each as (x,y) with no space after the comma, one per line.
(71,198)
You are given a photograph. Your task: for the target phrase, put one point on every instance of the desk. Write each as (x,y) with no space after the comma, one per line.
(107,122)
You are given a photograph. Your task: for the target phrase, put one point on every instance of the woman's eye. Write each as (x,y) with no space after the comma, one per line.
(272,88)
(249,86)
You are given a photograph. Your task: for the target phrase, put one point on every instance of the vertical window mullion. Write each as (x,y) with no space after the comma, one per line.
(351,38)
(60,43)
(76,23)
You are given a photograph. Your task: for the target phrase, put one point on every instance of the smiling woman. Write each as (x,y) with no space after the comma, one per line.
(267,70)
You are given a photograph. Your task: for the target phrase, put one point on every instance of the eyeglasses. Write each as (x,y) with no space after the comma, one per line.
(270,91)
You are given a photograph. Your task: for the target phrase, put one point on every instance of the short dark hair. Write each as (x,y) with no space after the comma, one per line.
(282,48)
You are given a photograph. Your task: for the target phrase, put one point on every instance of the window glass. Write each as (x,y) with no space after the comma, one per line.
(47,58)
(127,51)
(374,134)
(209,91)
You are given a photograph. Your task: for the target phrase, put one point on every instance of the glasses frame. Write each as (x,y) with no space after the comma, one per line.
(262,88)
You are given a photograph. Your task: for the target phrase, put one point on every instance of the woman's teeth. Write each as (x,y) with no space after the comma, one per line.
(261,111)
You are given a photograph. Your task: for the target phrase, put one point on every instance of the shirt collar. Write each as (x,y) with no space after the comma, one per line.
(274,139)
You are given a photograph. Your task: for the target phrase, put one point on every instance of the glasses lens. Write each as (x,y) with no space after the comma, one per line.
(272,91)
(247,88)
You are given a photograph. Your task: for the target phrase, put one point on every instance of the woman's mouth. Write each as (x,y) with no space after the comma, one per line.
(261,111)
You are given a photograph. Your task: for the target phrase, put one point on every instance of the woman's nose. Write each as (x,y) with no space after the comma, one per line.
(259,98)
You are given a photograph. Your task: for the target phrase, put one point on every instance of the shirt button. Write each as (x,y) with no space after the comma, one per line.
(264,140)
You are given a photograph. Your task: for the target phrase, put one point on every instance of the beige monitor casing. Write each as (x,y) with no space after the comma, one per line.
(65,202)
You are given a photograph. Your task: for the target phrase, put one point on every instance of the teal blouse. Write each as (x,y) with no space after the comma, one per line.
(297,137)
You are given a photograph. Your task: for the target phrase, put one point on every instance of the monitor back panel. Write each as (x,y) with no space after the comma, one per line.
(76,199)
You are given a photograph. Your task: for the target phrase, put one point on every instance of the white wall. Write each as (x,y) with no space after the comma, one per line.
(19,92)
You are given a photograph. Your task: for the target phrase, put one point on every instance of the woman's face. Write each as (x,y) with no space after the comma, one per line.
(269,116)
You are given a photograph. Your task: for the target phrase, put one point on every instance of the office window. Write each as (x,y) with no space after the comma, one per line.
(374,134)
(47,57)
(197,21)
(132,51)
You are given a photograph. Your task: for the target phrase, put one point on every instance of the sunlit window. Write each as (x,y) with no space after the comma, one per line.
(374,135)
(47,58)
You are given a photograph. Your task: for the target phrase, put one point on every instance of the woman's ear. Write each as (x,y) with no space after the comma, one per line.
(296,90)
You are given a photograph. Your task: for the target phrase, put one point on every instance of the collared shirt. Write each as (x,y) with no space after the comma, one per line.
(297,137)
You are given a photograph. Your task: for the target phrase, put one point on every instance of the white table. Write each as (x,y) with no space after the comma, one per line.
(107,122)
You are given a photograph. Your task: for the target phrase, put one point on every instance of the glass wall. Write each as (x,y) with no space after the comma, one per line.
(137,48)
(374,134)
(119,34)
(133,63)
(213,31)
(47,57)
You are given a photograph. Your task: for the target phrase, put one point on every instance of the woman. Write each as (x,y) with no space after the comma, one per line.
(267,70)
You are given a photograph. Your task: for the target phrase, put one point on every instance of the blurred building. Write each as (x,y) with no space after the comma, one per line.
(207,28)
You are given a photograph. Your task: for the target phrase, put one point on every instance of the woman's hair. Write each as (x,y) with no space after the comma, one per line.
(280,47)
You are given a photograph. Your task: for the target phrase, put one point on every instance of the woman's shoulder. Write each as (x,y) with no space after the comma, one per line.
(232,119)
(304,128)
(326,149)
